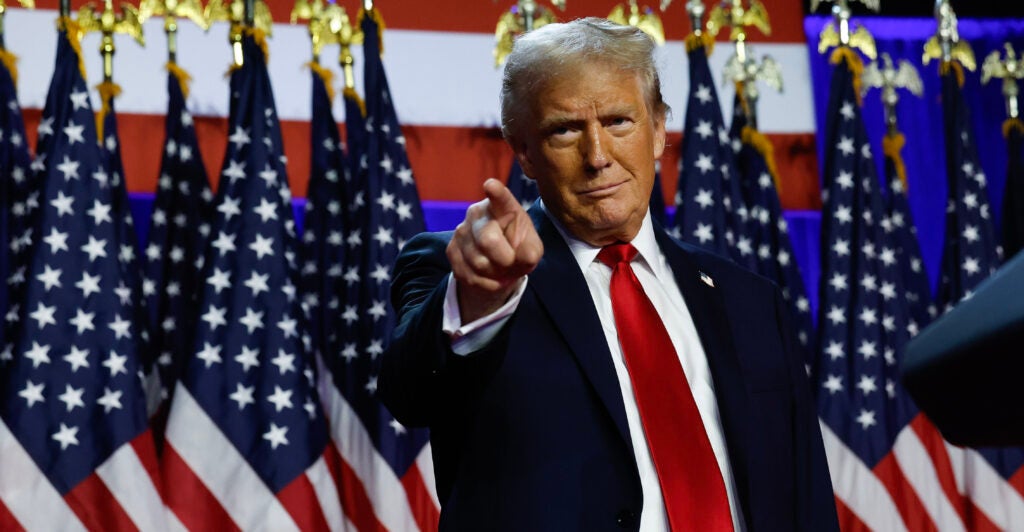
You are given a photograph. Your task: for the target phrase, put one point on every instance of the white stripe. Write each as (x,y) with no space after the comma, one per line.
(326,493)
(384,489)
(425,463)
(1000,502)
(436,78)
(919,470)
(224,471)
(858,487)
(130,483)
(29,496)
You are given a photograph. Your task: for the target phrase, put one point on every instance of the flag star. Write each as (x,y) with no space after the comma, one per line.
(381,273)
(186,118)
(220,279)
(704,163)
(230,207)
(210,354)
(262,246)
(287,326)
(371,385)
(239,138)
(127,254)
(704,199)
(63,204)
(100,212)
(397,427)
(69,168)
(285,362)
(836,315)
(888,291)
(83,321)
(110,400)
(888,256)
(310,408)
(120,327)
(258,283)
(252,320)
(703,93)
(67,436)
(405,176)
(185,153)
(74,133)
(971,200)
(280,398)
(116,363)
(80,100)
(50,278)
(56,240)
(224,243)
(889,322)
(214,317)
(386,201)
(378,310)
(266,210)
(350,315)
(123,293)
(89,284)
(867,385)
(248,358)
(153,252)
(276,436)
(868,350)
(101,177)
(46,126)
(868,316)
(838,282)
(234,171)
(177,254)
(77,358)
(269,175)
(835,350)
(846,146)
(869,283)
(385,164)
(404,210)
(703,233)
(95,248)
(866,418)
(845,180)
(834,384)
(243,395)
(32,393)
(348,352)
(971,233)
(44,315)
(72,397)
(847,111)
(39,354)
(971,265)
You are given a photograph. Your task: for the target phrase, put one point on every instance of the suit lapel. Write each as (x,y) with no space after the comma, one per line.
(562,290)
(707,307)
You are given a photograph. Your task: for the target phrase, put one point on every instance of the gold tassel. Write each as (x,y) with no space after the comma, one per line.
(260,37)
(108,91)
(183,77)
(1011,125)
(854,63)
(694,41)
(958,71)
(326,76)
(892,146)
(763,146)
(73,32)
(376,16)
(11,62)
(351,94)
(742,94)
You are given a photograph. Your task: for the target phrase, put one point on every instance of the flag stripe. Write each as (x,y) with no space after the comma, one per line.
(424,509)
(300,500)
(919,471)
(369,470)
(933,444)
(987,489)
(425,462)
(190,499)
(224,471)
(902,492)
(323,478)
(24,489)
(131,484)
(848,520)
(355,501)
(7,520)
(859,489)
(97,507)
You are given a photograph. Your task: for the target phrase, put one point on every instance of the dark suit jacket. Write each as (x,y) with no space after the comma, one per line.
(530,433)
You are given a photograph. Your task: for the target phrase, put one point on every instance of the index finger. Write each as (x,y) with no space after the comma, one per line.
(504,204)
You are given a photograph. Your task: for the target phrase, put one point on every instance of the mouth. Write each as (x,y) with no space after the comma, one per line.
(603,191)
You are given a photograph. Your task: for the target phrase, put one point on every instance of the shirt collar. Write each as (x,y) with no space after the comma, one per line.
(585,254)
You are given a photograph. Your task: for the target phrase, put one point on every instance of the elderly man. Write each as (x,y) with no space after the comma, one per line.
(578,368)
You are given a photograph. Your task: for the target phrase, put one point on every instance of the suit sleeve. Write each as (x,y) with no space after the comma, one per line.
(816,508)
(421,378)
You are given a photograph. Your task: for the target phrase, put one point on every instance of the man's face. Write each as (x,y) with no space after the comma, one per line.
(591,142)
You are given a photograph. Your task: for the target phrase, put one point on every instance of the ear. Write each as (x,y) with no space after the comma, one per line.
(659,135)
(522,155)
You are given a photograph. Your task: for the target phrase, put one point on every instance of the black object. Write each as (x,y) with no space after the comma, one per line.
(966,370)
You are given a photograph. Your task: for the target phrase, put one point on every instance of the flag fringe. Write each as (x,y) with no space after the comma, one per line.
(892,146)
(376,16)
(260,37)
(108,91)
(351,94)
(1012,125)
(73,32)
(854,63)
(763,146)
(958,71)
(11,62)
(183,77)
(326,76)
(694,41)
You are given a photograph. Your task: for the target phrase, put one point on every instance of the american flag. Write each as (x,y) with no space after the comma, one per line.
(710,211)
(769,232)
(387,474)
(889,466)
(246,442)
(20,200)
(523,188)
(993,478)
(1013,196)
(72,407)
(178,229)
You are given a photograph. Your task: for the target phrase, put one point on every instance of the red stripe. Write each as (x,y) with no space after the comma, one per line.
(977,521)
(300,501)
(8,521)
(354,499)
(188,497)
(97,507)
(1017,481)
(423,508)
(451,163)
(936,449)
(145,449)
(786,16)
(903,495)
(848,520)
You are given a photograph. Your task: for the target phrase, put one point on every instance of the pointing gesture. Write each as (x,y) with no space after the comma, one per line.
(492,251)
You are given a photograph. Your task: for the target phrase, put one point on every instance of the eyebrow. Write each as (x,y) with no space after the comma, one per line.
(564,119)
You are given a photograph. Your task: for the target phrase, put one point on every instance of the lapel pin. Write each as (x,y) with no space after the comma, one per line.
(707,279)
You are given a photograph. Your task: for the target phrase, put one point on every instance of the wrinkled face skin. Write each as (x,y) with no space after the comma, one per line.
(591,142)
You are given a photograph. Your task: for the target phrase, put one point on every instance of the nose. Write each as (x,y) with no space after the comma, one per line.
(595,147)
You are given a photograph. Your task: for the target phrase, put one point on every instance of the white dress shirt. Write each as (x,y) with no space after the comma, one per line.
(658,282)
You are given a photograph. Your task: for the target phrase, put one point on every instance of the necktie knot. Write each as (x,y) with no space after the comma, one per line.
(617,253)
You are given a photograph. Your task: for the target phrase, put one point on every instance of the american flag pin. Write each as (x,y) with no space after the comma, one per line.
(707,279)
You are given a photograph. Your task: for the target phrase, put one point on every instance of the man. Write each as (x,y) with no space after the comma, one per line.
(579,369)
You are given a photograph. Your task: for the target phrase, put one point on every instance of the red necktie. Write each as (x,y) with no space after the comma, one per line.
(691,482)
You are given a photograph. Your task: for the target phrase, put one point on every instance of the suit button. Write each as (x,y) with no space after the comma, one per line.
(626,519)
